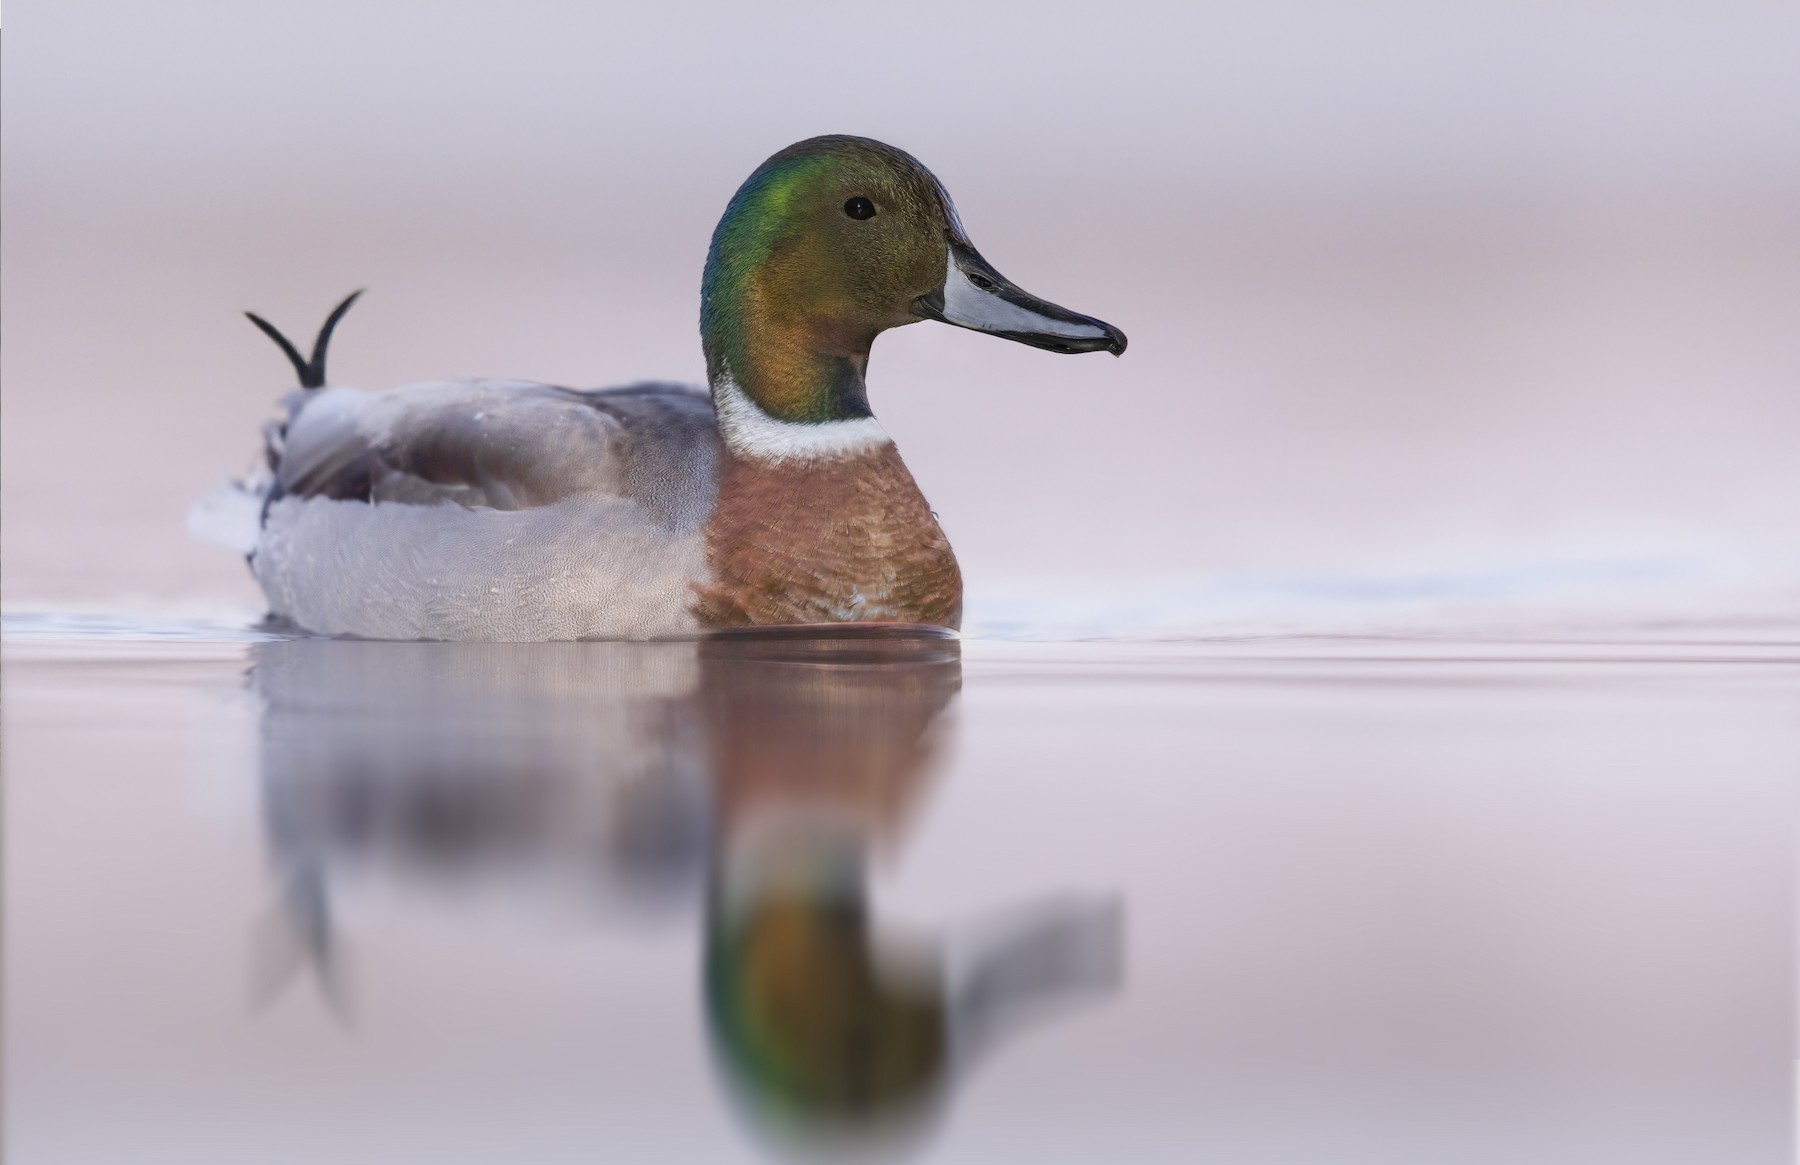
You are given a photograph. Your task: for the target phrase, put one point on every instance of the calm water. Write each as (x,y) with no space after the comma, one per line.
(1270,900)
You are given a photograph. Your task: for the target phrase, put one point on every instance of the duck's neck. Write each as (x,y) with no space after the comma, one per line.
(785,386)
(789,378)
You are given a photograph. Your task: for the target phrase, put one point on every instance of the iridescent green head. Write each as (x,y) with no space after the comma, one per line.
(823,1027)
(831,242)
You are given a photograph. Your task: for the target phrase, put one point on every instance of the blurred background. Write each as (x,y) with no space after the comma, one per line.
(1407,284)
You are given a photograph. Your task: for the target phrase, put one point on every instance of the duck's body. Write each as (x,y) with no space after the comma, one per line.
(506,510)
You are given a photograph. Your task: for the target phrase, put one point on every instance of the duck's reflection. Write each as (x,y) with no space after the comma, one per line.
(757,778)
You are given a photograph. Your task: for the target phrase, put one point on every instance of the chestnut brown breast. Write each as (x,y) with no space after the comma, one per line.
(846,540)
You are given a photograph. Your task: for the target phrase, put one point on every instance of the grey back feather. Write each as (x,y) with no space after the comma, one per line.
(505,445)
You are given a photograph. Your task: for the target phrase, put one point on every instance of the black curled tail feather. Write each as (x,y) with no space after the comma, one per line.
(312,372)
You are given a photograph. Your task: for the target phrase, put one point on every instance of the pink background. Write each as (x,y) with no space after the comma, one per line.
(1402,285)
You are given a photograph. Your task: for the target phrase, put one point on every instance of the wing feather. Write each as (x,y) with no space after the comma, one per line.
(504,445)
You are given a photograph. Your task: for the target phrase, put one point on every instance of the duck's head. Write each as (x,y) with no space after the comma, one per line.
(831,242)
(830,1025)
(823,1026)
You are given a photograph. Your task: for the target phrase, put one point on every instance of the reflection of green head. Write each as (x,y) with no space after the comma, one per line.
(818,1020)
(817,1032)
(826,245)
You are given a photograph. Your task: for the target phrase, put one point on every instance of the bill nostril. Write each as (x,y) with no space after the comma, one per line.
(981,281)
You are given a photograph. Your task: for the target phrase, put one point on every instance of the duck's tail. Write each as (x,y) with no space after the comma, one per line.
(312,372)
(231,513)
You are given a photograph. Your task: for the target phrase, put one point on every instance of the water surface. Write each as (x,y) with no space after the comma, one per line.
(1276,899)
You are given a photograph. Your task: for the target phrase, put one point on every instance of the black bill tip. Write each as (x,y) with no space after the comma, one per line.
(1115,340)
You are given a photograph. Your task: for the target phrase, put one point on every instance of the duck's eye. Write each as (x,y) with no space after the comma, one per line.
(859,208)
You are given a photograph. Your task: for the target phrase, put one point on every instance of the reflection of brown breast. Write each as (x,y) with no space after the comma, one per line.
(829,724)
(832,541)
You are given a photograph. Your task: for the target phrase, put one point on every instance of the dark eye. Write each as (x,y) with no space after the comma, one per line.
(859,208)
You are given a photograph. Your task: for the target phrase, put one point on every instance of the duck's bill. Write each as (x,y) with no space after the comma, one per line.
(976,296)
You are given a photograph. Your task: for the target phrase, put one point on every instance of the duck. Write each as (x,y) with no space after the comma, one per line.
(505,510)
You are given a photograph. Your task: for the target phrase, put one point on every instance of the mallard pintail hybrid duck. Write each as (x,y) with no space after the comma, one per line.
(506,510)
